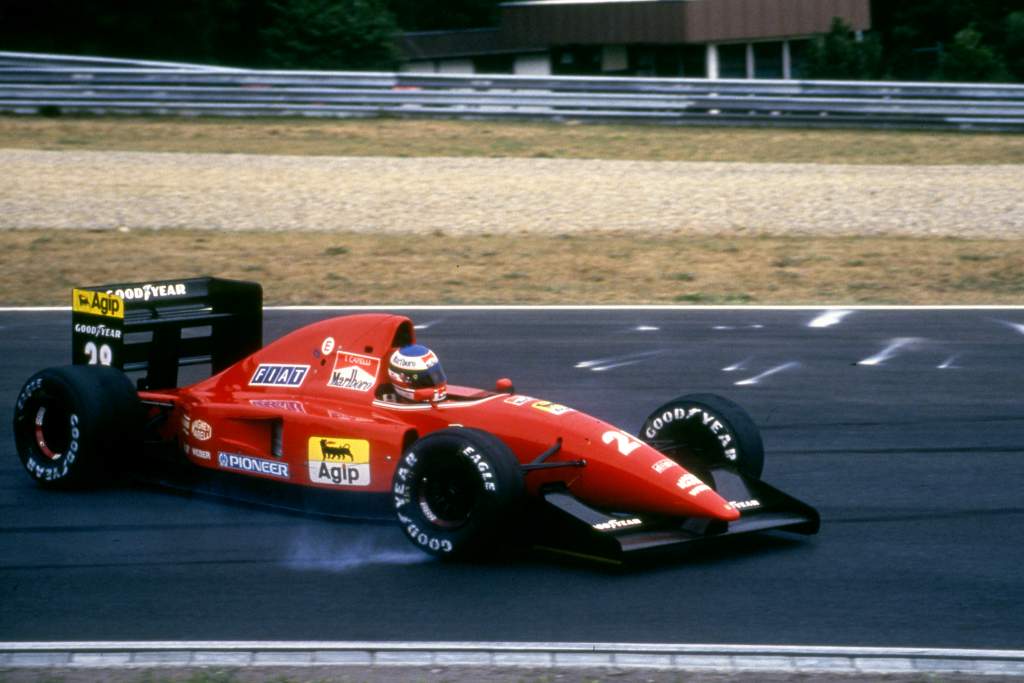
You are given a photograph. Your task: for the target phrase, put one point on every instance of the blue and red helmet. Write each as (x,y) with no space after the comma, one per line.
(417,367)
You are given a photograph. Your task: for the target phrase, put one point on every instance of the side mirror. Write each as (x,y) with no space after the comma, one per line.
(424,395)
(504,386)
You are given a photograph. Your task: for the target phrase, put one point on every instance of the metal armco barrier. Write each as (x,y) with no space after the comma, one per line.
(57,83)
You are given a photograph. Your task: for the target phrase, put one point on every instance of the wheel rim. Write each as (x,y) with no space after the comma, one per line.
(695,449)
(51,430)
(447,494)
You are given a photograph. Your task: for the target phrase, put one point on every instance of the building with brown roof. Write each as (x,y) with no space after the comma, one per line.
(686,38)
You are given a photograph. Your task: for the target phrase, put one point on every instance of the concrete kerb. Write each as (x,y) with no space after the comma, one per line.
(726,659)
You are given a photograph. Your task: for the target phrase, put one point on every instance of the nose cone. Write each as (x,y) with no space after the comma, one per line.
(644,480)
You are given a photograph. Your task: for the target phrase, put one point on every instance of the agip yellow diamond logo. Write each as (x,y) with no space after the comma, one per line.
(339,461)
(97,303)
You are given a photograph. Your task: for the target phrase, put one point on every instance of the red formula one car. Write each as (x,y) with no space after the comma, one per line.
(313,421)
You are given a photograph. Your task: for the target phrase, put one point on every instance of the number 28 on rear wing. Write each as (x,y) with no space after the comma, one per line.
(156,327)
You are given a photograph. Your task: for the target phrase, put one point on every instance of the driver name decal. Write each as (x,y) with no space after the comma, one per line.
(339,461)
(354,371)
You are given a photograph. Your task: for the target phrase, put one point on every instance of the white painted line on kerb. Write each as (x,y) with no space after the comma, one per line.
(728,659)
(596,307)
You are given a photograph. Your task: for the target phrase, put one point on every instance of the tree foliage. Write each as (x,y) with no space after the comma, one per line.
(915,40)
(841,55)
(330,34)
(955,39)
(970,59)
(1013,45)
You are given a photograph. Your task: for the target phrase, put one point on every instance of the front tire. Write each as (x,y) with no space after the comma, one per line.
(455,491)
(704,431)
(71,423)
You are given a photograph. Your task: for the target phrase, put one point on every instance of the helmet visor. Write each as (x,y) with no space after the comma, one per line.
(431,377)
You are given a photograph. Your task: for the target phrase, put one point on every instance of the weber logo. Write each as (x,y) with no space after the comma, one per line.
(339,461)
(279,375)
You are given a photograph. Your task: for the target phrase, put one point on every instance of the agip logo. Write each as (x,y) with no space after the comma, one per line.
(339,461)
(97,303)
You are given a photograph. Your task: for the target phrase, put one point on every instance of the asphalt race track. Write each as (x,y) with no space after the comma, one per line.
(905,429)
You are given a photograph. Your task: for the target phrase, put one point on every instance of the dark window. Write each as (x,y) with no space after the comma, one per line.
(694,61)
(797,55)
(494,64)
(732,61)
(642,60)
(768,60)
(576,60)
(667,60)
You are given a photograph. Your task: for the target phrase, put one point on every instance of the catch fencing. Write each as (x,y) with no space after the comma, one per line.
(53,84)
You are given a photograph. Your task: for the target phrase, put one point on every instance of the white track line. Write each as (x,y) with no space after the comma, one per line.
(892,349)
(767,373)
(787,659)
(829,318)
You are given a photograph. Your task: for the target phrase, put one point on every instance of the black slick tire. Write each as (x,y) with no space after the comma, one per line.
(704,431)
(456,492)
(71,424)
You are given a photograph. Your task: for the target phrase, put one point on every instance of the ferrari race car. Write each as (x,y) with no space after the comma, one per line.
(311,421)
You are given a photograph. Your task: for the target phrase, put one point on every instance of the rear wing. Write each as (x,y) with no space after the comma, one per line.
(157,327)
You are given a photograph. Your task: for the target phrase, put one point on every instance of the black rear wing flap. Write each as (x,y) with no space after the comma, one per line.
(155,328)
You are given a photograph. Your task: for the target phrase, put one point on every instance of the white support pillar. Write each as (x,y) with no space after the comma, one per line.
(750,60)
(711,60)
(787,61)
(532,65)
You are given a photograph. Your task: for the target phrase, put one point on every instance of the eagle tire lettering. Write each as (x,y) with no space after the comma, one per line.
(454,491)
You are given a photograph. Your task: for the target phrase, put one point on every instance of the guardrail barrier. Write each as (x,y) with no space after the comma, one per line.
(31,84)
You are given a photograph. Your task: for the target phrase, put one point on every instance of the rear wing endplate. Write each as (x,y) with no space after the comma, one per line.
(157,327)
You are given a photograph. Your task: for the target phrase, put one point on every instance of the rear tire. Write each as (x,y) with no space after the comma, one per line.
(72,423)
(703,431)
(456,492)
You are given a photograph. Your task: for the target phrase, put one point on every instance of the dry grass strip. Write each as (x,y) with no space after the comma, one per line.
(39,267)
(419,138)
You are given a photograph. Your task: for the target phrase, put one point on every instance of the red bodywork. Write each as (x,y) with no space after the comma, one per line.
(308,409)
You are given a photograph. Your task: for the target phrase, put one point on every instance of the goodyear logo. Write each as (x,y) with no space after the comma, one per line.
(97,303)
(339,461)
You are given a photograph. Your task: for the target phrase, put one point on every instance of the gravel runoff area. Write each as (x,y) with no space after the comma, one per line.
(105,190)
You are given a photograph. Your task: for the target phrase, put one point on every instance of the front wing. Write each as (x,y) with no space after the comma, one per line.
(567,525)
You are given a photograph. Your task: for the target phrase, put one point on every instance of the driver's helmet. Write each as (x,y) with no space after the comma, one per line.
(417,367)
